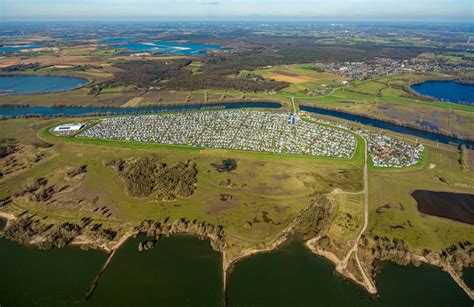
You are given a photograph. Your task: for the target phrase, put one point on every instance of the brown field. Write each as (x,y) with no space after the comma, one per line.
(134,102)
(286,76)
(62,66)
(78,97)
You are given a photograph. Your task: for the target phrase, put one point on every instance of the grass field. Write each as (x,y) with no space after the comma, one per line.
(304,79)
(267,190)
(393,211)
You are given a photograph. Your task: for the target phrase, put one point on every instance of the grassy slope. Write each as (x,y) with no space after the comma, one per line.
(402,220)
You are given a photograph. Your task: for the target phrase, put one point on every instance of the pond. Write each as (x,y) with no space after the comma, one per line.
(453,206)
(3,223)
(451,91)
(388,126)
(179,271)
(27,84)
(293,276)
(15,111)
(169,48)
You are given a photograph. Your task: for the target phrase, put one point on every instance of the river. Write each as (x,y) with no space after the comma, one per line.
(15,111)
(446,90)
(388,126)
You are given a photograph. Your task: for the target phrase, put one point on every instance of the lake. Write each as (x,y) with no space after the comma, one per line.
(169,48)
(468,276)
(32,277)
(293,276)
(15,111)
(388,126)
(24,85)
(179,271)
(18,47)
(446,90)
(185,271)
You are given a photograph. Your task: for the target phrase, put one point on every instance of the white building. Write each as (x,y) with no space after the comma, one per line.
(69,128)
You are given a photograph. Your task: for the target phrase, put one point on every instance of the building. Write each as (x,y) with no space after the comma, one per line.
(69,128)
(291,119)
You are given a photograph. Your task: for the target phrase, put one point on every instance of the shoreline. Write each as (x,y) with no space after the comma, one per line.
(367,285)
(228,264)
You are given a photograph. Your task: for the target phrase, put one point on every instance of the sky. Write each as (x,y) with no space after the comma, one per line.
(381,10)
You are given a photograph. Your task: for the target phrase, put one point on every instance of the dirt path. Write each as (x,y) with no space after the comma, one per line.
(365,191)
(295,111)
(341,266)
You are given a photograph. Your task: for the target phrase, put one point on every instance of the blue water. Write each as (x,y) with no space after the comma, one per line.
(117,40)
(19,47)
(446,90)
(23,85)
(15,111)
(170,48)
(389,126)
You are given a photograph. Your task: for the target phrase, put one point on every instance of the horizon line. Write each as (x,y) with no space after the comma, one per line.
(263,19)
